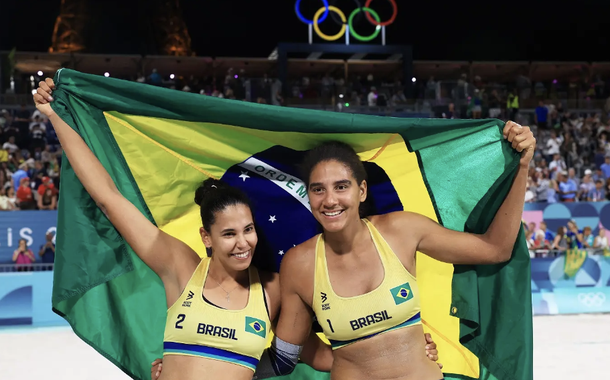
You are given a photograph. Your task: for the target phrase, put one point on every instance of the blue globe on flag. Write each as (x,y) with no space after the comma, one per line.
(272,181)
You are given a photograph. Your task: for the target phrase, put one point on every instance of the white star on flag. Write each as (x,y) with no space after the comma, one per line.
(244,176)
(281,253)
(272,218)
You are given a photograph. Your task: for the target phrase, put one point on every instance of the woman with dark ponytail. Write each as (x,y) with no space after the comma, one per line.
(221,308)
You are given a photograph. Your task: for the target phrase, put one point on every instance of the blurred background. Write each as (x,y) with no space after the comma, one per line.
(546,65)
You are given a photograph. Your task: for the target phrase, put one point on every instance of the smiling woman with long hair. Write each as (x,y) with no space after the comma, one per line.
(358,277)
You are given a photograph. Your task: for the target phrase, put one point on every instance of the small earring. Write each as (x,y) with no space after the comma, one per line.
(208,250)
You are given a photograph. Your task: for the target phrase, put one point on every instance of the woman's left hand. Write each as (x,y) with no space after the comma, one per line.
(522,139)
(431,350)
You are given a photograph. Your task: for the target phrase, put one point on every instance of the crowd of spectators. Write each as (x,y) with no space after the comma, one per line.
(462,97)
(572,162)
(233,85)
(543,242)
(30,160)
(318,89)
(476,98)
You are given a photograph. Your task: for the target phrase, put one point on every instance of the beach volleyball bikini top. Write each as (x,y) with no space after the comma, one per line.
(195,327)
(394,304)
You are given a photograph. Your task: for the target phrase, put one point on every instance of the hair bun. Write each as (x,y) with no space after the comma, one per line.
(208,186)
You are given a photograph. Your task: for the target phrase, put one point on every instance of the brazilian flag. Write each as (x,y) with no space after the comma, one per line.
(574,259)
(159,144)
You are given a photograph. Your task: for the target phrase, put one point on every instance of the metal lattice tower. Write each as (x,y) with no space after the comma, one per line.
(173,35)
(69,27)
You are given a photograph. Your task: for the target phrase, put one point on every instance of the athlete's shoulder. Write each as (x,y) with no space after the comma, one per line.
(302,253)
(394,219)
(397,222)
(299,260)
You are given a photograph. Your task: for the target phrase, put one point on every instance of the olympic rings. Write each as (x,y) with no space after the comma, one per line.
(592,299)
(377,23)
(351,28)
(335,18)
(316,22)
(306,21)
(322,13)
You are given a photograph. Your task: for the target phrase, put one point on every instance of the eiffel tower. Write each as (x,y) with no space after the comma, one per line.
(69,27)
(172,34)
(167,27)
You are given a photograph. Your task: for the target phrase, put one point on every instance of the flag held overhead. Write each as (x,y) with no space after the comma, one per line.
(158,145)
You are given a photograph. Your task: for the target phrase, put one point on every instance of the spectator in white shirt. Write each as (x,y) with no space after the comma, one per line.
(558,165)
(552,145)
(10,145)
(372,97)
(38,122)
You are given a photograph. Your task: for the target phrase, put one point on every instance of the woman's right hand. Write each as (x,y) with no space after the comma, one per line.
(43,97)
(157,367)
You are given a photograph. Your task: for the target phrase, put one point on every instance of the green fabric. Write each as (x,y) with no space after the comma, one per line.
(477,289)
(95,268)
(106,293)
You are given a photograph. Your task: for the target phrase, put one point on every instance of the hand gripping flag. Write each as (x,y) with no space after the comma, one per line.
(159,144)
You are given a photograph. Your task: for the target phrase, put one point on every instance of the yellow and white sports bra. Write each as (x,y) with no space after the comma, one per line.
(394,304)
(195,327)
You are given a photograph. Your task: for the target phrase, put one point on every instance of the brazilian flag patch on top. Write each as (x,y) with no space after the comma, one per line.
(256,327)
(401,293)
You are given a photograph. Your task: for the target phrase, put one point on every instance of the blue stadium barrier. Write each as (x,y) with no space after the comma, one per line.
(587,292)
(29,225)
(25,300)
(25,297)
